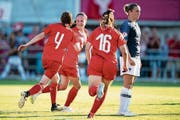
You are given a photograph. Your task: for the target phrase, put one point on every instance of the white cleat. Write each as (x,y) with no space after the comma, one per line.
(22,99)
(127,114)
(100,90)
(34,97)
(66,109)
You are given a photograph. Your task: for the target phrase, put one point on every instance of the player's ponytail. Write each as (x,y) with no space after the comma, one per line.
(107,19)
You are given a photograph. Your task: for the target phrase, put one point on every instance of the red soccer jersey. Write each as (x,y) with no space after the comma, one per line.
(71,58)
(59,37)
(105,42)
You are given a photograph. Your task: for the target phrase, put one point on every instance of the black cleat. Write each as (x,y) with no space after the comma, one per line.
(56,107)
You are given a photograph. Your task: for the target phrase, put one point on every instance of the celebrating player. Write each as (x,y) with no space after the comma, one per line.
(102,62)
(69,70)
(132,34)
(59,36)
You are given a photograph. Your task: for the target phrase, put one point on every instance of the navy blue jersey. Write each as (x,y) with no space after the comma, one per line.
(132,35)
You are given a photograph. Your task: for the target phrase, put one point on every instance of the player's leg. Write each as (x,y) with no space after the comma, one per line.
(93,83)
(51,68)
(45,90)
(53,92)
(63,83)
(98,101)
(72,93)
(128,81)
(125,95)
(35,89)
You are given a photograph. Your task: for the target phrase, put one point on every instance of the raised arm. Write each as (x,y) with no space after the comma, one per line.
(37,38)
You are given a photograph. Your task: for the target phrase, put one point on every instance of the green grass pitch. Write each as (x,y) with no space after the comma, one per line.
(151,101)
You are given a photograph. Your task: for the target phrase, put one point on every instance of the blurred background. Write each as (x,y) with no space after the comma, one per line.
(21,20)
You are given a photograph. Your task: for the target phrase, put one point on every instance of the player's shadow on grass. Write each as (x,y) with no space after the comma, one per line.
(166,104)
(159,114)
(60,116)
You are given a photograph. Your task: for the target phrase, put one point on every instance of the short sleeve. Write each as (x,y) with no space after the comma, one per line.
(121,40)
(124,29)
(47,30)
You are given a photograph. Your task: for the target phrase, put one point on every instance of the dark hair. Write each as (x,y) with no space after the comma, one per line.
(106,17)
(130,7)
(82,14)
(66,18)
(73,24)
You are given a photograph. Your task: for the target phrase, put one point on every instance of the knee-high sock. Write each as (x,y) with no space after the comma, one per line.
(46,89)
(35,89)
(97,103)
(53,91)
(71,95)
(92,90)
(125,97)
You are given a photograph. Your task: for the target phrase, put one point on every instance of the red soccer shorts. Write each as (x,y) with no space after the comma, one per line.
(69,71)
(51,67)
(102,67)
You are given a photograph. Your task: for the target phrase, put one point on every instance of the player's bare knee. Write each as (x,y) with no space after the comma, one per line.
(64,88)
(42,85)
(78,87)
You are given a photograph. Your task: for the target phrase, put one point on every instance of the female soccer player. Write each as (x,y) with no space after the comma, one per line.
(102,62)
(132,34)
(69,70)
(59,36)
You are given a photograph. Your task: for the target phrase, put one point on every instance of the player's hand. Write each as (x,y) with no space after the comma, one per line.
(22,47)
(131,62)
(125,69)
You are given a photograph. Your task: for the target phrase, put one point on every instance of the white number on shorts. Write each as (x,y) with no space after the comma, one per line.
(104,44)
(58,42)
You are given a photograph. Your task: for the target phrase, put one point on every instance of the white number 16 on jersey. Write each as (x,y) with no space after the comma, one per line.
(58,42)
(104,44)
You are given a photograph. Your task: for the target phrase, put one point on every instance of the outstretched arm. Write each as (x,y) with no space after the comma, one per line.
(38,37)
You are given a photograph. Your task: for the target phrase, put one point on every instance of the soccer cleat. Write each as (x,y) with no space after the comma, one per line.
(66,109)
(127,114)
(22,99)
(57,107)
(90,116)
(34,97)
(100,90)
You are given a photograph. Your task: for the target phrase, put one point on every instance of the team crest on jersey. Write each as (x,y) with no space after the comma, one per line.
(124,34)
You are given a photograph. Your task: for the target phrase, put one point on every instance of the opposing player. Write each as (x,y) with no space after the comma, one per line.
(132,34)
(102,62)
(69,70)
(59,36)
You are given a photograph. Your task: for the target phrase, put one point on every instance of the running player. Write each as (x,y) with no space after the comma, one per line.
(59,36)
(102,62)
(69,70)
(132,34)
